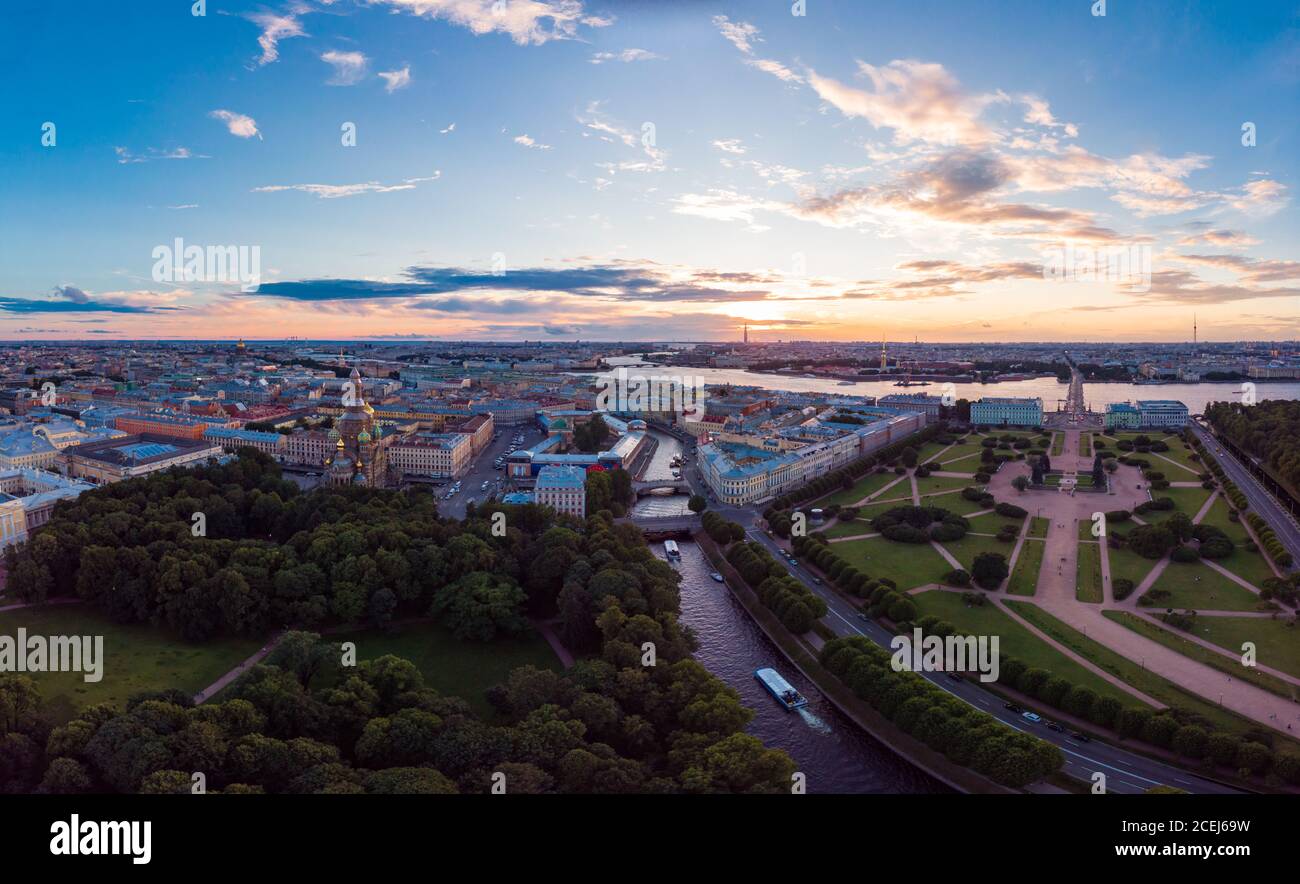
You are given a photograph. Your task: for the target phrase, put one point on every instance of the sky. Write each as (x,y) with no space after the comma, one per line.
(650,170)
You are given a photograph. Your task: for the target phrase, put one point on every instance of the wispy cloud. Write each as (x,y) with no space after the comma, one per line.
(275,27)
(124,155)
(626,56)
(527,22)
(240,125)
(349,67)
(394,80)
(338,191)
(528,141)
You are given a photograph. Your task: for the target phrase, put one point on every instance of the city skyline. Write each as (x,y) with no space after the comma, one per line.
(555,171)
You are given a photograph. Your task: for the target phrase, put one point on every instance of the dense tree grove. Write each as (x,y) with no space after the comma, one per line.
(1270,430)
(303,722)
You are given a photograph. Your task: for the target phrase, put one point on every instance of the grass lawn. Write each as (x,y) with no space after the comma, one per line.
(1126,563)
(960,452)
(847,529)
(1277,644)
(1186,500)
(1014,640)
(137,657)
(992,523)
(1024,576)
(907,564)
(933,484)
(1058,444)
(1038,527)
(456,668)
(1132,672)
(1171,639)
(1251,566)
(928,450)
(970,546)
(867,513)
(1085,529)
(1200,587)
(1085,444)
(1180,454)
(1087,587)
(861,489)
(955,503)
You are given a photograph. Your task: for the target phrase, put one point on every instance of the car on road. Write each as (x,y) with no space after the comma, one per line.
(794,562)
(1054,726)
(1081,737)
(955,676)
(1031,717)
(862,615)
(1012,707)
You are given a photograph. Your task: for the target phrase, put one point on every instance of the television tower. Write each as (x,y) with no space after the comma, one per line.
(883,360)
(747,333)
(1193,329)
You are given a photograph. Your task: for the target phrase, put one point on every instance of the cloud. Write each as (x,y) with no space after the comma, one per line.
(1248,270)
(180,153)
(450,128)
(526,22)
(394,80)
(919,101)
(1261,198)
(529,141)
(1223,238)
(239,125)
(443,288)
(730,145)
(1184,288)
(626,56)
(349,67)
(741,34)
(72,293)
(275,27)
(337,191)
(775,68)
(1039,113)
(609,130)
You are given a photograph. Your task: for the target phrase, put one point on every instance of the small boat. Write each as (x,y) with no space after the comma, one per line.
(781,689)
(671,550)
(716,576)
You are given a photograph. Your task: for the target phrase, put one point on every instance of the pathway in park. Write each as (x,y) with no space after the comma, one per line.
(214,688)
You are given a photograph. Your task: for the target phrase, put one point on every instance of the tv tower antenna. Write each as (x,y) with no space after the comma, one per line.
(883,359)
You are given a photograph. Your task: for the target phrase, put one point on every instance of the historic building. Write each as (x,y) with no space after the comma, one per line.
(359,455)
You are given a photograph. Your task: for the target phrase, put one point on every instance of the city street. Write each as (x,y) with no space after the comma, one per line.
(483,470)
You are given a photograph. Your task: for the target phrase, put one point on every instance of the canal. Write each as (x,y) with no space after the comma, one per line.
(832,752)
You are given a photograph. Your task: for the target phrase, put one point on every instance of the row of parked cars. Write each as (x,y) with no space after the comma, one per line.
(518,440)
(1035,718)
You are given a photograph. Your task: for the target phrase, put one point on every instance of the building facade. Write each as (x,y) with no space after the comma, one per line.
(1007,412)
(564,489)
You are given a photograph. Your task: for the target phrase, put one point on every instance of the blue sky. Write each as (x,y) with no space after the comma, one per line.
(562,169)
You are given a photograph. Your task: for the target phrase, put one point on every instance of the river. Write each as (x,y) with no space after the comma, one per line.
(832,752)
(1050,390)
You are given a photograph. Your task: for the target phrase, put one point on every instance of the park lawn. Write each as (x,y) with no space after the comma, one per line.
(1126,563)
(1180,454)
(928,450)
(1038,526)
(1087,585)
(1231,665)
(1024,576)
(955,503)
(1199,587)
(907,564)
(970,546)
(1085,529)
(1275,641)
(1014,640)
(862,488)
(456,668)
(1186,500)
(137,657)
(1058,444)
(936,484)
(1247,565)
(1085,444)
(1132,672)
(992,523)
(867,513)
(847,529)
(960,451)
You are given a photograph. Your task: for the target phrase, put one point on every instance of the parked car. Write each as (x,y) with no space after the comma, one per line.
(1081,737)
(1012,707)
(1031,717)
(1054,726)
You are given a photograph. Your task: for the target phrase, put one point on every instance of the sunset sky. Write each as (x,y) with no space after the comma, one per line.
(651,169)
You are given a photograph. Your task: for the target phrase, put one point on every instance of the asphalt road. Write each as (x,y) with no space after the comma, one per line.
(1281,521)
(1126,772)
(482,470)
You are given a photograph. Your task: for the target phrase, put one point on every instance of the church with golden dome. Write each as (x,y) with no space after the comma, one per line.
(359,456)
